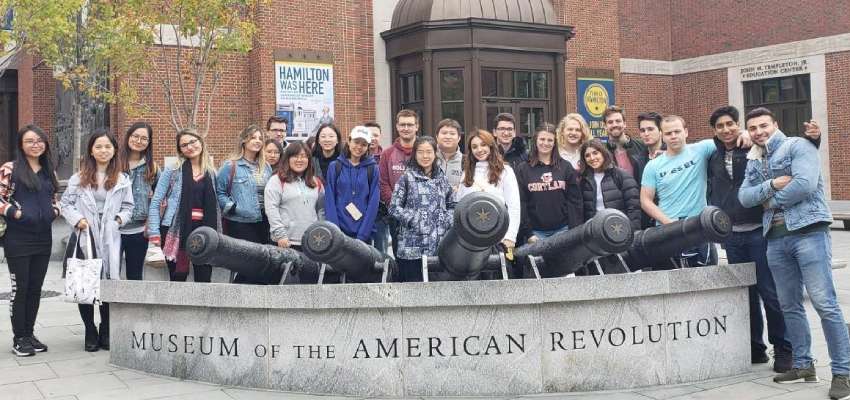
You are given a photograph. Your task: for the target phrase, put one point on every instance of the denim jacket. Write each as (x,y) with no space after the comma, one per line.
(142,192)
(170,184)
(243,193)
(803,201)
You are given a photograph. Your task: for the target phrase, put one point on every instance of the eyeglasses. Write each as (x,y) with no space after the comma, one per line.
(503,129)
(139,138)
(301,157)
(277,130)
(189,143)
(33,142)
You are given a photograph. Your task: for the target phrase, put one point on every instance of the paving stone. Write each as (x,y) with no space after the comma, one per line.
(667,392)
(27,373)
(244,394)
(83,366)
(137,379)
(217,395)
(150,392)
(20,391)
(739,391)
(78,385)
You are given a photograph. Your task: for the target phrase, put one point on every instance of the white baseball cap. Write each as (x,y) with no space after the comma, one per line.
(361,132)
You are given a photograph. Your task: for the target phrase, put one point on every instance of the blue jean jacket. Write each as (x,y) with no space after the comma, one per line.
(803,201)
(243,193)
(142,192)
(170,184)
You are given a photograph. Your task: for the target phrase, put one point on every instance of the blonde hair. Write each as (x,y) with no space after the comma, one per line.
(246,134)
(561,132)
(206,163)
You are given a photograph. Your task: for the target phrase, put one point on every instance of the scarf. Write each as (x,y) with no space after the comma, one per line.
(175,241)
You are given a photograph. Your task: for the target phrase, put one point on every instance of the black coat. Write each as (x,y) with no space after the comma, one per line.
(619,191)
(638,155)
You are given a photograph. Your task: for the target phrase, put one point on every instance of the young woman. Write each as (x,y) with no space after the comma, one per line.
(137,161)
(548,188)
(188,191)
(295,197)
(421,203)
(326,148)
(28,203)
(484,170)
(605,186)
(572,133)
(240,184)
(352,194)
(97,202)
(273,150)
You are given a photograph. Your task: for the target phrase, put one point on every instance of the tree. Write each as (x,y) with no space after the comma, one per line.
(194,35)
(91,44)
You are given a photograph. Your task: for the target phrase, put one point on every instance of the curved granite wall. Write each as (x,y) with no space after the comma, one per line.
(440,338)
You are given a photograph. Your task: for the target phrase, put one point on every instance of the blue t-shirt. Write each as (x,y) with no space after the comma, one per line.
(680,181)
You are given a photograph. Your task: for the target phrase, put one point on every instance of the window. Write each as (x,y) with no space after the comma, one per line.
(509,84)
(789,98)
(6,20)
(452,94)
(412,93)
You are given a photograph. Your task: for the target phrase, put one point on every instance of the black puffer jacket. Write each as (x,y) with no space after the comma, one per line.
(619,191)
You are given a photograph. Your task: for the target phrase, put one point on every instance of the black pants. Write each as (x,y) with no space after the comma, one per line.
(409,270)
(87,315)
(134,247)
(203,273)
(256,232)
(27,274)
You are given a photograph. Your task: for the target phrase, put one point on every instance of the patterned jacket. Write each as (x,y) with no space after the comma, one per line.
(423,206)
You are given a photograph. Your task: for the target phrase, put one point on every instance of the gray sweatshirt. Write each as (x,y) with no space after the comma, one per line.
(453,168)
(292,208)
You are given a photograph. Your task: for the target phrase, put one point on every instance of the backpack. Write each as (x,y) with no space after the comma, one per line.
(370,170)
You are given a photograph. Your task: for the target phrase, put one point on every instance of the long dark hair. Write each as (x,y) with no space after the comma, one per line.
(534,154)
(596,144)
(151,169)
(317,148)
(22,168)
(88,168)
(287,175)
(412,163)
(279,150)
(495,162)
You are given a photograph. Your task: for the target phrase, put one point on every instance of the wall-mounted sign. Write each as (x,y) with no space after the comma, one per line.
(304,96)
(775,69)
(594,96)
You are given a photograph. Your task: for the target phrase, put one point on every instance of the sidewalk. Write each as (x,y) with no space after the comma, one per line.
(66,372)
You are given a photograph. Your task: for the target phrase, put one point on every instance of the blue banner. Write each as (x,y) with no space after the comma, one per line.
(594,96)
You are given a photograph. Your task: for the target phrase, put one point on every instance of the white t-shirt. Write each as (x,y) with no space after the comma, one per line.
(600,201)
(507,189)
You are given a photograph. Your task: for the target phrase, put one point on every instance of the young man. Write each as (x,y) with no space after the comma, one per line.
(276,127)
(726,169)
(380,235)
(512,147)
(394,159)
(649,126)
(784,177)
(375,148)
(629,153)
(449,156)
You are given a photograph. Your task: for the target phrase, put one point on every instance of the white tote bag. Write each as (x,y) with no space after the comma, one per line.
(82,278)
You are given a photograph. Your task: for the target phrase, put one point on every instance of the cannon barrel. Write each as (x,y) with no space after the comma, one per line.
(654,246)
(480,222)
(361,263)
(608,232)
(253,260)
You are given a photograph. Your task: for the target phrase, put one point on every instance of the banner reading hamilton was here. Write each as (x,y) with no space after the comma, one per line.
(594,96)
(305,96)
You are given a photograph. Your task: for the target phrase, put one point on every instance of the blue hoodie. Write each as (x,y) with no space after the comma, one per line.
(352,186)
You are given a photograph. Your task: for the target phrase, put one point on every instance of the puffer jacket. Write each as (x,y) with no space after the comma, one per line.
(422,205)
(619,191)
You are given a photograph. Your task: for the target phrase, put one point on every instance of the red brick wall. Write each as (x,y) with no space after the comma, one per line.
(645,29)
(644,93)
(701,28)
(696,96)
(36,94)
(596,43)
(838,95)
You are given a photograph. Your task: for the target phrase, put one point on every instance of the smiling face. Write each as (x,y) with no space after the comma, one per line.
(545,144)
(328,140)
(357,147)
(278,130)
(594,159)
(615,125)
(190,146)
(727,130)
(298,162)
(425,155)
(573,133)
(102,150)
(761,129)
(505,133)
(32,144)
(407,128)
(253,144)
(448,139)
(139,140)
(479,149)
(271,153)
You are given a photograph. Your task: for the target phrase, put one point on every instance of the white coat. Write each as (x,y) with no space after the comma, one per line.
(78,203)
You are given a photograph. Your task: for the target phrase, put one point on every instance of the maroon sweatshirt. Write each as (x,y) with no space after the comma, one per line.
(391,168)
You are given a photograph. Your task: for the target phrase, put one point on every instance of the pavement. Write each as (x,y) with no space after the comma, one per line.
(66,372)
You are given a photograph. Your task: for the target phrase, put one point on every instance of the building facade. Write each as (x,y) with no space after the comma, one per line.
(538,59)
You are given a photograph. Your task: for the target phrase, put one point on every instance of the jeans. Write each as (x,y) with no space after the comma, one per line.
(380,236)
(699,256)
(135,248)
(409,270)
(27,274)
(546,234)
(744,247)
(805,260)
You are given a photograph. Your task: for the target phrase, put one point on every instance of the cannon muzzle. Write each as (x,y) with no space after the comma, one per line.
(480,221)
(324,242)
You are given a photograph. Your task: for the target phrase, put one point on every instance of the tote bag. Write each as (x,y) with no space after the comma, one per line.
(82,277)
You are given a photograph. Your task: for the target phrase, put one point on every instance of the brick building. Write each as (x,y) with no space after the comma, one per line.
(680,57)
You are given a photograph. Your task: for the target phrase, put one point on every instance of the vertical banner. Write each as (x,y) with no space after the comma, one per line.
(304,96)
(594,96)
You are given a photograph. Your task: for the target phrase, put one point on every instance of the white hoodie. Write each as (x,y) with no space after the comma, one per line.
(507,190)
